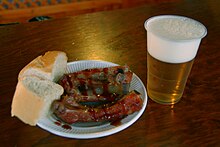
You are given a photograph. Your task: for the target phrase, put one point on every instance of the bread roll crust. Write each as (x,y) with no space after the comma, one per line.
(36,88)
(44,66)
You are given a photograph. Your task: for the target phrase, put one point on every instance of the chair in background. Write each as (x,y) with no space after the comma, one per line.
(20,11)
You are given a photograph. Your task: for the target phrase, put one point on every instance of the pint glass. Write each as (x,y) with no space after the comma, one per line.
(172,44)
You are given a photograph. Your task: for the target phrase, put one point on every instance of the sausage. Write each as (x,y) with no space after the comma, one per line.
(70,112)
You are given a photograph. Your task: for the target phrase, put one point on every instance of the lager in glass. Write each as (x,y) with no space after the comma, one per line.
(172,44)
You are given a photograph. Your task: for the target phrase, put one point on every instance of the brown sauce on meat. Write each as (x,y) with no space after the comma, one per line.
(97,94)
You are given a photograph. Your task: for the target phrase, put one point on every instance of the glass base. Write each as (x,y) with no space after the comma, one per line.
(167,99)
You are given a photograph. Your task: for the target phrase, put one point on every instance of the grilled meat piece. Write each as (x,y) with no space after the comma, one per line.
(70,112)
(97,84)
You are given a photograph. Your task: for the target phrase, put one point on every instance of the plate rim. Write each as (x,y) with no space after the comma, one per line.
(110,131)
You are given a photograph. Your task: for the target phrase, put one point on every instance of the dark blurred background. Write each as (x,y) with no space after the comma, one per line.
(23,11)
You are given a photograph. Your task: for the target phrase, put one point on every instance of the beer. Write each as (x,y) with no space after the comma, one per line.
(166,81)
(172,44)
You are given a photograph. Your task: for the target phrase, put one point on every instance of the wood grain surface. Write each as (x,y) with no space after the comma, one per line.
(119,36)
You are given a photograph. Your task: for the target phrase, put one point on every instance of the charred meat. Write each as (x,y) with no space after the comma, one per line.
(70,112)
(98,84)
(107,88)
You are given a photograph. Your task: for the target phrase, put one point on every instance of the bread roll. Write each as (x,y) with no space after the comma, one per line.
(51,66)
(36,88)
(33,98)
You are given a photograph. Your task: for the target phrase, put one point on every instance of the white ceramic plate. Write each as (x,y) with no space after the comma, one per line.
(97,129)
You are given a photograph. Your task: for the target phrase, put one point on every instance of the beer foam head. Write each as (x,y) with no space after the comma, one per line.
(173,39)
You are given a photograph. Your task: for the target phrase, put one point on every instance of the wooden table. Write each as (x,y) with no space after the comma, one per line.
(119,37)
